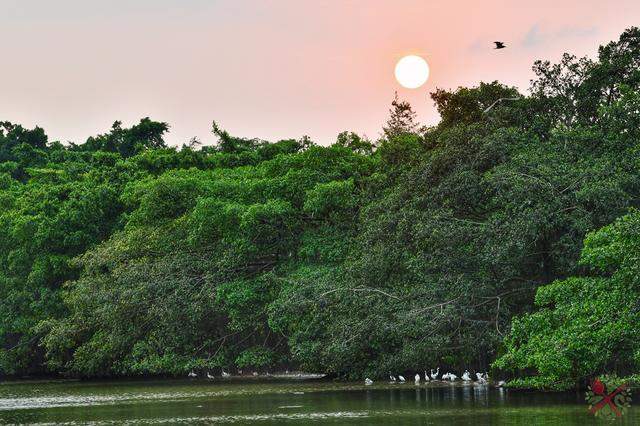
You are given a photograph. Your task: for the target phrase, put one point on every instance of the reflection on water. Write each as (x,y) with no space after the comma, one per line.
(265,403)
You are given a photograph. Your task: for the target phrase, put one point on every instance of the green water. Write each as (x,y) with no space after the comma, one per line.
(266,403)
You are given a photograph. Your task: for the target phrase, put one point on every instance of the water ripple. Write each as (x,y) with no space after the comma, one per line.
(227,419)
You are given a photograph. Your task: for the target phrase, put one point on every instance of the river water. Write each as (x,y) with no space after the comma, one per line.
(258,402)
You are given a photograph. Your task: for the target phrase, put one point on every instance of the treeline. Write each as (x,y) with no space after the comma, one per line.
(460,245)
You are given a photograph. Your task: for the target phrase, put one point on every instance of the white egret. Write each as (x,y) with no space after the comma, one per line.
(368,381)
(417,379)
(401,378)
(434,376)
(481,379)
(192,374)
(465,376)
(209,376)
(225,374)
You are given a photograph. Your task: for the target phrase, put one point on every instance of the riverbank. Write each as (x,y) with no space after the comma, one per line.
(517,385)
(546,385)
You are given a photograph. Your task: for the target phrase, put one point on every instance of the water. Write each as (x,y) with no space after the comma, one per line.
(267,403)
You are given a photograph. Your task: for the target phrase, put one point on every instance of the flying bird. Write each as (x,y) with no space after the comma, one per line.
(499,45)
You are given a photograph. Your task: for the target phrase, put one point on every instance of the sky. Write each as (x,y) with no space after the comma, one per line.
(271,69)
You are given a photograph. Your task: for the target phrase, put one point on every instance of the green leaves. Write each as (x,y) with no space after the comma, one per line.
(123,256)
(589,324)
(190,279)
(128,142)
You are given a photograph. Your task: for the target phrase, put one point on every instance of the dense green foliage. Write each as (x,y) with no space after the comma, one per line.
(452,245)
(585,324)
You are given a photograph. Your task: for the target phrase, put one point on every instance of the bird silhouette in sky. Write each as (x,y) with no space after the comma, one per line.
(499,45)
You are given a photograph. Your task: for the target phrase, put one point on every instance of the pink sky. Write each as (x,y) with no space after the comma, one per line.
(270,69)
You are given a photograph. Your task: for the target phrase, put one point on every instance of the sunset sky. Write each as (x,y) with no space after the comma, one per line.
(270,69)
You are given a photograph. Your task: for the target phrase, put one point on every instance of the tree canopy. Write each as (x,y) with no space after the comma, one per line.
(508,229)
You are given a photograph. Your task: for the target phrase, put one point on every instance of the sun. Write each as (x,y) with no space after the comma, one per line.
(412,71)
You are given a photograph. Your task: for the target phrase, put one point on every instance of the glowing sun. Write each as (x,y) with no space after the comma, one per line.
(412,71)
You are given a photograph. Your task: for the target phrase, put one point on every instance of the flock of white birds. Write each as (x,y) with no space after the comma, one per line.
(211,377)
(481,378)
